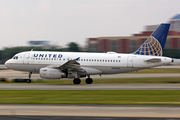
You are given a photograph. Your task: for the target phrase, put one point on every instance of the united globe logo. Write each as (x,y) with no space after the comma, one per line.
(150,47)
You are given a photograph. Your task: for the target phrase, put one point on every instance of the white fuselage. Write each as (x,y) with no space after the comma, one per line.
(33,61)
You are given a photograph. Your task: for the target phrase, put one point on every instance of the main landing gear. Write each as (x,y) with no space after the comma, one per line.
(78,81)
(29,80)
(89,80)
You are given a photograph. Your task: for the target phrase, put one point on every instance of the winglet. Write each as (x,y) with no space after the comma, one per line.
(155,43)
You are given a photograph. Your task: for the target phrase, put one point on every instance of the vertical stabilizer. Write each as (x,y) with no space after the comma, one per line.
(155,43)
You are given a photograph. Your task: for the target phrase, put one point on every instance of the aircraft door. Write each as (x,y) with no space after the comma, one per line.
(130,61)
(26,58)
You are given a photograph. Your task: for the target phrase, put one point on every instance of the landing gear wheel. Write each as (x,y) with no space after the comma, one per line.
(76,81)
(28,81)
(89,80)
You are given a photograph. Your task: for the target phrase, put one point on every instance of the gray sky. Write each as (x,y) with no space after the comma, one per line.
(63,21)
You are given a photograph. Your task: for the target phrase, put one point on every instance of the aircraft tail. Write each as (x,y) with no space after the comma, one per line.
(154,45)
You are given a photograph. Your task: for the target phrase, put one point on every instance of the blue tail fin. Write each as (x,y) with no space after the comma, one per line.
(155,43)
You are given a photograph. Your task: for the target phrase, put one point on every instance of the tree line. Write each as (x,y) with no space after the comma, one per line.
(8,53)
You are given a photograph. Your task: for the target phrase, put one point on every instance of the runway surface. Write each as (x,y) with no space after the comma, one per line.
(134,111)
(78,118)
(11,74)
(27,86)
(16,117)
(82,112)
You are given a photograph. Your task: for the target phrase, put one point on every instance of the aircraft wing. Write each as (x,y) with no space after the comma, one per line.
(71,65)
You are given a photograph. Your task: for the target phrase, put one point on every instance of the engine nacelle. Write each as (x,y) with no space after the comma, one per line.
(50,73)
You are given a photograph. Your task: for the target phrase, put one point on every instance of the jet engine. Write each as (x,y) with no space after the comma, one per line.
(51,73)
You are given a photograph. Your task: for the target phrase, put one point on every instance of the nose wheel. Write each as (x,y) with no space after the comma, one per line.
(28,81)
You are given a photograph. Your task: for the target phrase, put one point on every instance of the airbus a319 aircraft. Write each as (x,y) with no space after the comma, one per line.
(57,65)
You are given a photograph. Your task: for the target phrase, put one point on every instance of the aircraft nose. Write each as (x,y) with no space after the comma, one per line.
(7,63)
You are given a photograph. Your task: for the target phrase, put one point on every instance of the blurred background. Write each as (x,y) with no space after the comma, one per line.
(88,26)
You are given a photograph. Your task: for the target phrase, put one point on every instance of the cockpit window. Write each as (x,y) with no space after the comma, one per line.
(15,57)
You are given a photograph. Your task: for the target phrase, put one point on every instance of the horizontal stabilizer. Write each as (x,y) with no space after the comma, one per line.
(153,60)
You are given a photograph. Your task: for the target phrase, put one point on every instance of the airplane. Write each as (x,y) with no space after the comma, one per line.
(57,65)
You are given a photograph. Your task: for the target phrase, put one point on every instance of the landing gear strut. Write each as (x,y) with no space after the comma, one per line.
(76,81)
(29,80)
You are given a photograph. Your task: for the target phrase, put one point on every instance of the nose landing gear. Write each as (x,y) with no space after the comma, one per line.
(29,80)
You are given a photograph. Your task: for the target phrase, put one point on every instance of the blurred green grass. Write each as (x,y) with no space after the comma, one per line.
(111,97)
